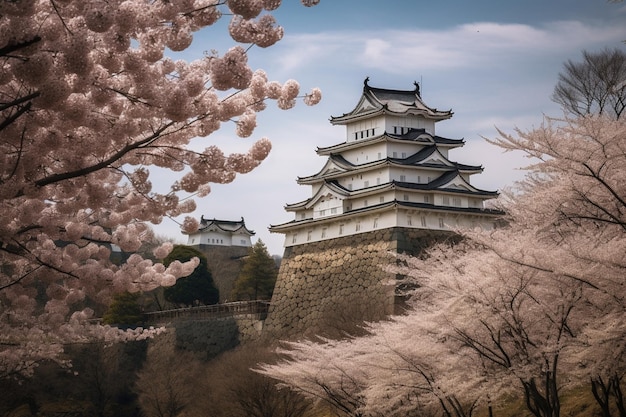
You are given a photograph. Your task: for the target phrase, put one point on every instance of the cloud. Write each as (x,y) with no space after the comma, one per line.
(465,46)
(491,74)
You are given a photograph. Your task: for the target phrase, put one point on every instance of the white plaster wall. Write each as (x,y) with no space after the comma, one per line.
(410,218)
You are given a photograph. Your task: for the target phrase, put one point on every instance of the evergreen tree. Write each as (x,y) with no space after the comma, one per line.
(124,310)
(195,288)
(258,275)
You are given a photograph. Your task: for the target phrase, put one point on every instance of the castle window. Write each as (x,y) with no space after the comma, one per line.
(365,203)
(324,232)
(405,197)
(403,154)
(423,220)
(333,210)
(357,226)
(403,178)
(349,186)
(409,220)
(419,179)
(375,225)
(243,242)
(366,183)
(456,201)
(380,155)
(426,199)
(446,200)
(308,235)
(322,212)
(356,135)
(193,241)
(378,181)
(441,224)
(382,199)
(341,229)
(294,238)
(395,130)
(372,132)
(361,134)
(395,154)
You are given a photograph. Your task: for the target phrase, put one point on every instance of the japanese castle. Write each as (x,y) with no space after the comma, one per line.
(391,170)
(221,233)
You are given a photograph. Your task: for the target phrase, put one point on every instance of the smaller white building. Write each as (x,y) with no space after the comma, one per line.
(221,233)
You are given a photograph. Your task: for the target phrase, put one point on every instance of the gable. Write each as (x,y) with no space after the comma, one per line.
(438,159)
(458,183)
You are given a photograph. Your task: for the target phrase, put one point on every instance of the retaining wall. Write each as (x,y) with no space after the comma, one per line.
(328,287)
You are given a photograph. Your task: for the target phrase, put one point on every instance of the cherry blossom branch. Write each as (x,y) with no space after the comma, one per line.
(106,162)
(12,47)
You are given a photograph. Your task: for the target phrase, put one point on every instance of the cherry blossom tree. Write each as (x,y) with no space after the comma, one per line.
(529,309)
(89,102)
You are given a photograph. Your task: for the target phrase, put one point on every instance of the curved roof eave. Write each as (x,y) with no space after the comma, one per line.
(407,137)
(297,224)
(355,117)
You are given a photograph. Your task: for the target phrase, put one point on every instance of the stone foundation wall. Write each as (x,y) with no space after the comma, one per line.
(207,338)
(225,264)
(328,287)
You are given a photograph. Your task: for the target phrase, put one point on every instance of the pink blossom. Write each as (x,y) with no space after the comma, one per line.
(190,225)
(314,97)
(246,124)
(163,250)
(96,105)
(248,9)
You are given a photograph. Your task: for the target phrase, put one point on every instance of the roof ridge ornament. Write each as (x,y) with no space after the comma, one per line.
(365,85)
(417,89)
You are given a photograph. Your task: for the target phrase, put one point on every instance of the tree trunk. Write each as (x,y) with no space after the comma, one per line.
(542,404)
(601,392)
(615,384)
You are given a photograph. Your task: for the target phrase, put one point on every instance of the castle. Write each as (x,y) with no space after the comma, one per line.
(389,186)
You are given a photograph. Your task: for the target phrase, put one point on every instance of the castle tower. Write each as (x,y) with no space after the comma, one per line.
(221,233)
(391,185)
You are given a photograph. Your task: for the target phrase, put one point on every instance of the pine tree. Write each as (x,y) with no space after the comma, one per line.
(195,288)
(124,310)
(258,275)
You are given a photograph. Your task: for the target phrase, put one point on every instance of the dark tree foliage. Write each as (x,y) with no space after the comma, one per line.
(597,85)
(197,288)
(258,275)
(124,309)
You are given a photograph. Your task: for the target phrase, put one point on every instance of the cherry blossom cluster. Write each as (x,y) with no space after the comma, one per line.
(89,102)
(540,298)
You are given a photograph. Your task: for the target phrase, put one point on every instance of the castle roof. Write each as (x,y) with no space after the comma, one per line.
(227,226)
(450,182)
(428,157)
(378,101)
(413,136)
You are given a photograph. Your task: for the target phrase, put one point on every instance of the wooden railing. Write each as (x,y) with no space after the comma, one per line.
(258,308)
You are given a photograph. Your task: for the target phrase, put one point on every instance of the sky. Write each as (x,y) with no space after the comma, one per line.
(494,63)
